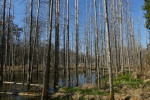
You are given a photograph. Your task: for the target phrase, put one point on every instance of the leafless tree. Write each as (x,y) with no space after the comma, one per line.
(107,32)
(56,72)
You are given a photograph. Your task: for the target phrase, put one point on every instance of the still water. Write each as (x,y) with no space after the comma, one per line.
(18,78)
(13,97)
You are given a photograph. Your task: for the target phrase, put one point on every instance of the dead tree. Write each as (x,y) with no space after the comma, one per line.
(47,69)
(37,38)
(108,56)
(3,40)
(121,36)
(64,40)
(7,60)
(96,44)
(77,40)
(56,71)
(68,44)
(30,47)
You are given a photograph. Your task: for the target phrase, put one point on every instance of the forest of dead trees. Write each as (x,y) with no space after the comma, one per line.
(67,35)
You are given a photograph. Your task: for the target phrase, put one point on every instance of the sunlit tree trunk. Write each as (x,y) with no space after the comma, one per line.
(108,56)
(132,44)
(96,44)
(121,36)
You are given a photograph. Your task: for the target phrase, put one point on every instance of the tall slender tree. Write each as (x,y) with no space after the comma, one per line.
(30,46)
(3,40)
(64,39)
(121,36)
(47,69)
(77,41)
(8,38)
(108,56)
(96,43)
(68,44)
(37,37)
(56,72)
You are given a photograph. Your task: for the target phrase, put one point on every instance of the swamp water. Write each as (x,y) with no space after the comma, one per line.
(17,77)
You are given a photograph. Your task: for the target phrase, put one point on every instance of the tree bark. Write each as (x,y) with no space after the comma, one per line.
(37,38)
(77,40)
(56,72)
(47,69)
(96,44)
(68,44)
(30,46)
(3,40)
(121,37)
(107,32)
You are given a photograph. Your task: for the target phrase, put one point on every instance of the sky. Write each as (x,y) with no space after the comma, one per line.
(138,14)
(135,6)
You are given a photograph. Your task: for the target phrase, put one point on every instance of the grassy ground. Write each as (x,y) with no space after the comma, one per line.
(124,86)
(83,91)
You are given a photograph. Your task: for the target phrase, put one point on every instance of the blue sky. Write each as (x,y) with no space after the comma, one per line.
(135,5)
(138,14)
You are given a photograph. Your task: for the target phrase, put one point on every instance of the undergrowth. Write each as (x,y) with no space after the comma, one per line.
(83,91)
(125,80)
(128,80)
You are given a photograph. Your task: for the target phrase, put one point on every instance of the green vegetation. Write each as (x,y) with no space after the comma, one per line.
(146,7)
(121,81)
(127,80)
(147,14)
(83,91)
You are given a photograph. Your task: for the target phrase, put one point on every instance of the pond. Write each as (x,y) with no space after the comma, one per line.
(18,78)
(13,97)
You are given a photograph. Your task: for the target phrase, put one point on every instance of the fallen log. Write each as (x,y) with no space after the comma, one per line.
(38,85)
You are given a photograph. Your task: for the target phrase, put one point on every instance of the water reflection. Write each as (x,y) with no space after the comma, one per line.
(13,97)
(83,78)
(18,78)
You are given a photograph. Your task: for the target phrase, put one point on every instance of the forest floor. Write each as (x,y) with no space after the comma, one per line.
(126,87)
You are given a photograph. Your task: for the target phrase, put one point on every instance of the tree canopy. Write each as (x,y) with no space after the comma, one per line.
(146,7)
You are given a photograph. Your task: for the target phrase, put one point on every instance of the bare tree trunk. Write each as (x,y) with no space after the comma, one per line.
(8,38)
(56,72)
(8,41)
(30,44)
(64,41)
(77,40)
(68,44)
(96,45)
(133,44)
(121,37)
(141,68)
(37,38)
(25,44)
(109,65)
(47,69)
(90,40)
(3,40)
